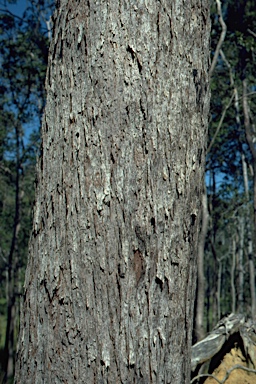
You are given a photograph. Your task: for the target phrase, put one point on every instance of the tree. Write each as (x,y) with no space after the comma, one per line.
(229,250)
(110,282)
(23,49)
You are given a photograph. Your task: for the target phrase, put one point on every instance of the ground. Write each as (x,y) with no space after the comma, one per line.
(238,376)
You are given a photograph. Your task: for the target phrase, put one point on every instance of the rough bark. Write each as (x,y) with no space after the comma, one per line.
(110,281)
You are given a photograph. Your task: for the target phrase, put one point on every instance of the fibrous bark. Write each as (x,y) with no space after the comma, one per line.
(110,282)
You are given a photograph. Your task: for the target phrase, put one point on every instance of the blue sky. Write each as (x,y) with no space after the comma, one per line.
(16,9)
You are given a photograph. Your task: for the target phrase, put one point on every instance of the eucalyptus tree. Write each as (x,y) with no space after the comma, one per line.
(110,282)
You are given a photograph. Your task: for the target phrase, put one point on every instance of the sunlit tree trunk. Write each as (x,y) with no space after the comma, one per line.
(200,299)
(249,233)
(240,265)
(110,282)
(232,276)
(219,287)
(250,133)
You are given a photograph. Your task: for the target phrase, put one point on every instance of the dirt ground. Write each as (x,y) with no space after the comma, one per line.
(238,376)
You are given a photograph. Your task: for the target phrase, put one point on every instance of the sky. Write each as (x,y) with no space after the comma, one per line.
(20,6)
(16,9)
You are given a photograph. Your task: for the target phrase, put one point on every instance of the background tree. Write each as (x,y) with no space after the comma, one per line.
(229,257)
(23,48)
(110,281)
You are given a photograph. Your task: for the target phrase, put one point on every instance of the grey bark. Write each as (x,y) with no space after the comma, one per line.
(240,265)
(200,299)
(250,137)
(249,236)
(232,275)
(110,282)
(219,286)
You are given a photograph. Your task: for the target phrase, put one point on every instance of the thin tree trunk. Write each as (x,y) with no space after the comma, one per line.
(199,323)
(12,263)
(249,137)
(208,300)
(249,236)
(232,277)
(110,282)
(219,288)
(240,267)
(215,258)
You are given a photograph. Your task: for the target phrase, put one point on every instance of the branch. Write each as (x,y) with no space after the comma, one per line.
(205,375)
(10,13)
(237,366)
(234,94)
(248,130)
(6,170)
(232,82)
(221,39)
(220,123)
(213,65)
(251,32)
(249,94)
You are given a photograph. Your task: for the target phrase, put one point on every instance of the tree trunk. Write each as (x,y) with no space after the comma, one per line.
(240,266)
(110,282)
(249,236)
(232,275)
(9,348)
(250,136)
(213,273)
(219,288)
(199,323)
(208,299)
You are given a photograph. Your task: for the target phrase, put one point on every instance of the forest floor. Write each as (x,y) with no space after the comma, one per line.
(237,376)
